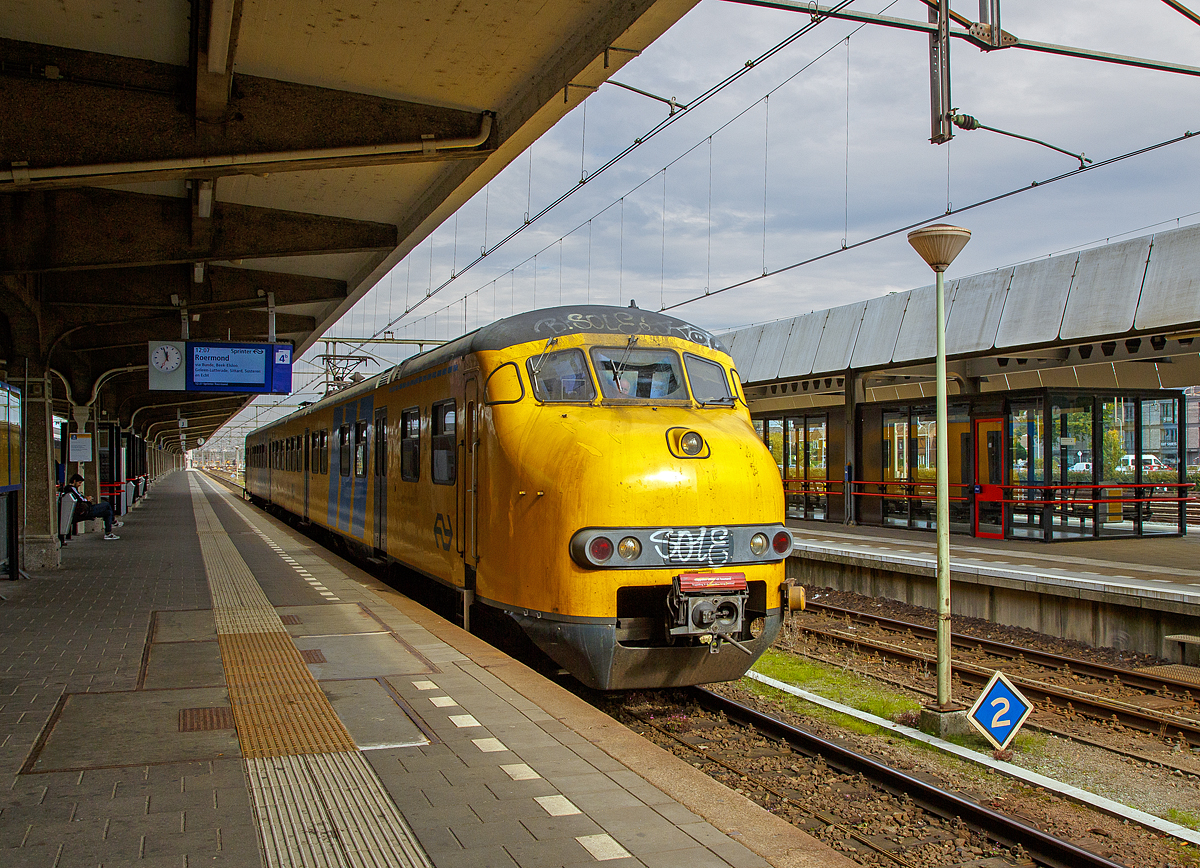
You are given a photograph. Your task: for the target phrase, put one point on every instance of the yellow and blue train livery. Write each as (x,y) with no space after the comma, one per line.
(589,474)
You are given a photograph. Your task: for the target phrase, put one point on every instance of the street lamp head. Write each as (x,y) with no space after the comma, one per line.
(939,244)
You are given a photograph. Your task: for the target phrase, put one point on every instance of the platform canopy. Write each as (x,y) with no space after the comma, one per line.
(165,162)
(1124,315)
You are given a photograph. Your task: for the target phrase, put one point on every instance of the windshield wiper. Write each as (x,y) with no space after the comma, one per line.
(619,367)
(717,402)
(537,366)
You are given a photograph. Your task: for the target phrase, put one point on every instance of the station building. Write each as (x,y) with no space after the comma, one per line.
(1066,413)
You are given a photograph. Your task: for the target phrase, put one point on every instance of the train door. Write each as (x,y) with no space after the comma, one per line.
(469,518)
(307,468)
(989,481)
(380,482)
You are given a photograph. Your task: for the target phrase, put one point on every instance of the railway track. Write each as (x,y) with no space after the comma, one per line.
(951,809)
(1131,678)
(1129,713)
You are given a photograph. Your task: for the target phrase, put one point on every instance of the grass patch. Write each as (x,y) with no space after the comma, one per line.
(796,705)
(1184,818)
(833,683)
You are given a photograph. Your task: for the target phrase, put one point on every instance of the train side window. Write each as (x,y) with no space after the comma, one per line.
(360,449)
(314,452)
(324,451)
(344,450)
(561,376)
(410,445)
(710,385)
(442,442)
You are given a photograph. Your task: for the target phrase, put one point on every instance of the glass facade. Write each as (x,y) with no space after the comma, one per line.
(1041,464)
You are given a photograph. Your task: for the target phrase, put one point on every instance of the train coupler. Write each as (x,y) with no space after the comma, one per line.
(711,607)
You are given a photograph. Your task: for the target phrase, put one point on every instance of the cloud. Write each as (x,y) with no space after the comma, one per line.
(847,156)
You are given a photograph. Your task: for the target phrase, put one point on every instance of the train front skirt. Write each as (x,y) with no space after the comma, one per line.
(591,652)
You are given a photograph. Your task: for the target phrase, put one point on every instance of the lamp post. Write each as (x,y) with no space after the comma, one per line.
(938,245)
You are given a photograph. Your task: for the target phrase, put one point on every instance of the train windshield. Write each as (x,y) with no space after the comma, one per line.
(561,376)
(649,375)
(710,386)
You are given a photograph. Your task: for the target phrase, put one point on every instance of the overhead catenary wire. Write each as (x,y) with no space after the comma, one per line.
(815,20)
(978,204)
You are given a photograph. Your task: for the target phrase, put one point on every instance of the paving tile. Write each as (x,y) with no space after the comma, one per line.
(29,857)
(545,828)
(438,838)
(484,857)
(673,812)
(508,789)
(511,810)
(420,818)
(704,833)
(589,783)
(653,839)
(692,857)
(607,800)
(549,854)
(485,834)
(737,855)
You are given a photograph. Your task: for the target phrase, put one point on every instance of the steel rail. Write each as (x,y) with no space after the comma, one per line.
(1127,677)
(1154,722)
(1043,848)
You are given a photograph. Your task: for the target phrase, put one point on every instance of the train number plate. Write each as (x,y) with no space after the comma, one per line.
(704,545)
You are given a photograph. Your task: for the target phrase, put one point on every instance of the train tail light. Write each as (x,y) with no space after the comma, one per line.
(782,543)
(600,549)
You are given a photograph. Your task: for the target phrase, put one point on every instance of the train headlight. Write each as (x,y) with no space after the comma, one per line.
(691,443)
(629,548)
(600,549)
(782,542)
(758,543)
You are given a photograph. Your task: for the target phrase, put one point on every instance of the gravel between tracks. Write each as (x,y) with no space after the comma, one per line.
(1146,786)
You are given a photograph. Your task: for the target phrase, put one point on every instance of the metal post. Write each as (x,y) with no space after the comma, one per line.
(938,246)
(943,507)
(941,129)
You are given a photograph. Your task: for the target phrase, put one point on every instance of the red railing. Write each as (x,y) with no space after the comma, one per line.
(926,490)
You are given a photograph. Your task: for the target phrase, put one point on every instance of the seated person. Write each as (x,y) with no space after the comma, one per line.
(85,509)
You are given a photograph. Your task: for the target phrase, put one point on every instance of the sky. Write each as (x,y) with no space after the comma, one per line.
(823,145)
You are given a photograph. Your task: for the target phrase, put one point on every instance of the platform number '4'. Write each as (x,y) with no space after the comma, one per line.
(999,711)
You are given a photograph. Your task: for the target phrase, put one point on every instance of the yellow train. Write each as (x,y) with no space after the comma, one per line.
(589,474)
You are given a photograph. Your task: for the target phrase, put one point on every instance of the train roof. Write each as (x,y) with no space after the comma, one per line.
(591,319)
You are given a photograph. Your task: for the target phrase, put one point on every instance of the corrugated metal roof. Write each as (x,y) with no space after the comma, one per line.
(917,332)
(1037,297)
(1105,291)
(837,340)
(1171,293)
(1099,294)
(770,350)
(802,345)
(880,327)
(978,304)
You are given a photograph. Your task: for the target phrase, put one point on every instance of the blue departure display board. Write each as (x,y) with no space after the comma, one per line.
(232,367)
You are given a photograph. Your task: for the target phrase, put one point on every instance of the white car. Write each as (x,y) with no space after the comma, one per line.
(1081,467)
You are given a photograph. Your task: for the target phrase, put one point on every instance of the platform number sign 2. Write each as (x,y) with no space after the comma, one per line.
(999,711)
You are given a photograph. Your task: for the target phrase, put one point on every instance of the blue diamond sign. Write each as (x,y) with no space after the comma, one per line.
(999,711)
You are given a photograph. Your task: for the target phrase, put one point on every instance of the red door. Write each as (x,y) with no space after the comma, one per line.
(989,478)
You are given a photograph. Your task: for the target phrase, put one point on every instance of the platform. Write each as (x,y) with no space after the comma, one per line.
(1126,593)
(215,689)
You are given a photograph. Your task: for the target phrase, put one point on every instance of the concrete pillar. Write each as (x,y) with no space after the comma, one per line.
(39,518)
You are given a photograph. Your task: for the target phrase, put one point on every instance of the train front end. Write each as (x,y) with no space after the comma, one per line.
(645,515)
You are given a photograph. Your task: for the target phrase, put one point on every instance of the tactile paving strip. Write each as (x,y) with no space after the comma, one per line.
(317,801)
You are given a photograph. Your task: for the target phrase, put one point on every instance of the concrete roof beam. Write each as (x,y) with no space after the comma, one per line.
(60,230)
